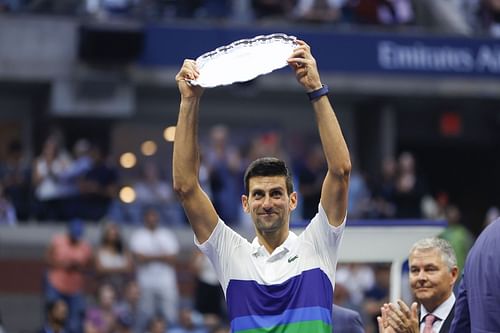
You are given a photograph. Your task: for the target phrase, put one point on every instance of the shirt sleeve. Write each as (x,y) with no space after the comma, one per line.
(326,240)
(219,248)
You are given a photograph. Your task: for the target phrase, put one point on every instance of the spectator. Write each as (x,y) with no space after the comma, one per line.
(359,195)
(101,318)
(384,192)
(410,188)
(7,210)
(98,187)
(457,235)
(68,258)
(491,215)
(71,177)
(50,191)
(128,307)
(224,165)
(153,191)
(357,279)
(113,261)
(15,174)
(56,316)
(310,178)
(376,296)
(155,250)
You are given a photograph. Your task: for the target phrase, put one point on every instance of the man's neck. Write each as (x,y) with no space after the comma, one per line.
(271,241)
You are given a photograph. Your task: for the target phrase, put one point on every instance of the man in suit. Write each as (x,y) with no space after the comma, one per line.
(478,301)
(346,320)
(433,273)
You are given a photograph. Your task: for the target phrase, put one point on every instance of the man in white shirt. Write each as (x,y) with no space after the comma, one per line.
(281,281)
(155,251)
(433,273)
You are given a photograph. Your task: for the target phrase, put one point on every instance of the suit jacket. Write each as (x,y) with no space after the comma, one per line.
(346,320)
(478,301)
(445,328)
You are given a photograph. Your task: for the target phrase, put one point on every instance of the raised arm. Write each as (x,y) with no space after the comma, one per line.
(186,160)
(336,183)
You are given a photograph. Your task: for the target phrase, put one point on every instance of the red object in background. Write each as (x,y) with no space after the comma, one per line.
(450,124)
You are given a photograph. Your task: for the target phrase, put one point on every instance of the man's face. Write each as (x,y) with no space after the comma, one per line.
(151,219)
(430,278)
(269,203)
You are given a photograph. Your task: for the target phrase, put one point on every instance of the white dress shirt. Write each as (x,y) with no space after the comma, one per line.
(441,312)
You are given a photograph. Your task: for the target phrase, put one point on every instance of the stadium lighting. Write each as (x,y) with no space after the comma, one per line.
(169,133)
(128,160)
(148,148)
(127,194)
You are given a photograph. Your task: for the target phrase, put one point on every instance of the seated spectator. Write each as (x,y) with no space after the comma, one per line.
(56,315)
(113,261)
(127,308)
(101,318)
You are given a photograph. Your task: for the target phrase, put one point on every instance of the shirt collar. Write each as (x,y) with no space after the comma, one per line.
(442,311)
(260,250)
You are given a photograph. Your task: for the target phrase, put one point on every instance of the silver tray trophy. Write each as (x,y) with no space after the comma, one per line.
(244,60)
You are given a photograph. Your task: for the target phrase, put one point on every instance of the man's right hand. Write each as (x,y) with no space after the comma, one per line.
(188,71)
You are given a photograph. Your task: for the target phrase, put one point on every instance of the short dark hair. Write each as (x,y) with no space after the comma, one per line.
(268,167)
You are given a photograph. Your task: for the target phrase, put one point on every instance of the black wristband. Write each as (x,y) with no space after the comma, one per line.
(314,95)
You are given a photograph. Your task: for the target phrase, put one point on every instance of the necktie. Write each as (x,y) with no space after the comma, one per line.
(429,320)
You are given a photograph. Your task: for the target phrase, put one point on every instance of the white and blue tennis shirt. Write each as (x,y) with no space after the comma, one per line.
(289,290)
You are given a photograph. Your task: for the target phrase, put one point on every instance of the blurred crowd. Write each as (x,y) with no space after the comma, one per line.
(470,17)
(127,284)
(87,182)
